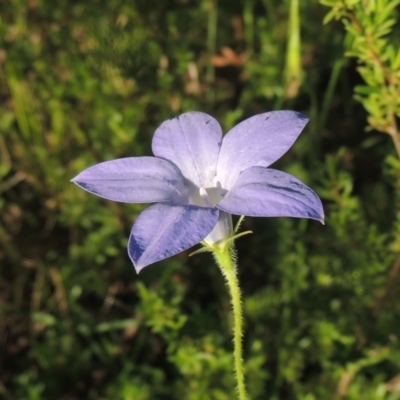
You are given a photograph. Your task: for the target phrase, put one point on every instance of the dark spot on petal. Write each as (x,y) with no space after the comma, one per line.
(207,122)
(267,117)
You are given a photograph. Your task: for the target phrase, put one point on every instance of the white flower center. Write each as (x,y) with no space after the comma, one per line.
(210,197)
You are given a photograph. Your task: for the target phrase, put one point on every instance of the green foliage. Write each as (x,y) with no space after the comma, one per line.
(369,25)
(87,81)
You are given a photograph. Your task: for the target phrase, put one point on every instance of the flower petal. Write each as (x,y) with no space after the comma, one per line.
(163,230)
(257,141)
(134,180)
(191,142)
(264,192)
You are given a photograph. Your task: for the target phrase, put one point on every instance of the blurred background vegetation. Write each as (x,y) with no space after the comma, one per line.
(87,81)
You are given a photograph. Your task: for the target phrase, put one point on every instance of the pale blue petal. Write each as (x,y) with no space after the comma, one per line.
(163,230)
(135,180)
(264,192)
(192,142)
(257,141)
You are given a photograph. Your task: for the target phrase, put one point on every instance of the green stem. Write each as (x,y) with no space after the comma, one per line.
(212,46)
(225,259)
(293,69)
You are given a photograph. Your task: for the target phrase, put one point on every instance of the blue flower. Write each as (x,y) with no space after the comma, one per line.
(198,179)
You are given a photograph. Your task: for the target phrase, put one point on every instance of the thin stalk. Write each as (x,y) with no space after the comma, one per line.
(394,133)
(225,259)
(337,68)
(248,25)
(396,143)
(212,46)
(293,70)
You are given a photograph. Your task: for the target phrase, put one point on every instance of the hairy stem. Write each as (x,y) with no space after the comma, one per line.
(225,259)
